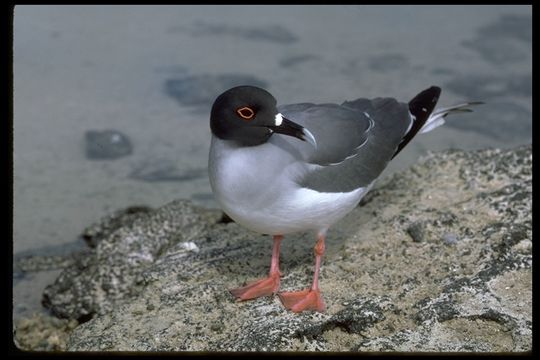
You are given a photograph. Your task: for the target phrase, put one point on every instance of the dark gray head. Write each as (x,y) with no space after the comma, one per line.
(248,115)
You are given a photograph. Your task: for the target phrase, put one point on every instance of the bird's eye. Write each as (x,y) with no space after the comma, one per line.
(245,113)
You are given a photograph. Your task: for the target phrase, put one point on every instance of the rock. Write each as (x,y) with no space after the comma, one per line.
(163,169)
(450,238)
(43,333)
(416,231)
(160,283)
(201,90)
(32,263)
(270,33)
(504,41)
(388,62)
(93,234)
(125,244)
(297,60)
(107,144)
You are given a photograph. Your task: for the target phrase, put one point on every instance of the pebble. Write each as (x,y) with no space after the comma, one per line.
(107,144)
(450,239)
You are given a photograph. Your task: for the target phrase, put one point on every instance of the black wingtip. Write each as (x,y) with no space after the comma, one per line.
(421,106)
(427,100)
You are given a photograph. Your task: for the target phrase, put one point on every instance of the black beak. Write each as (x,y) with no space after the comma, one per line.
(287,127)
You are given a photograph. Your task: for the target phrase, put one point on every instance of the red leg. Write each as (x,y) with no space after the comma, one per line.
(309,299)
(266,286)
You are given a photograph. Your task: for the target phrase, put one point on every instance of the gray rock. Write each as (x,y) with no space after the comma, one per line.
(293,61)
(388,62)
(124,246)
(450,238)
(416,231)
(499,118)
(160,283)
(93,234)
(513,26)
(505,41)
(163,169)
(43,333)
(201,90)
(488,87)
(270,33)
(107,144)
(32,263)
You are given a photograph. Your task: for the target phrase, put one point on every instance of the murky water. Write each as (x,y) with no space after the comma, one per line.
(151,73)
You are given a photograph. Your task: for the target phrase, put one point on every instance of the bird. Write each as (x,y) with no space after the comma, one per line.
(279,170)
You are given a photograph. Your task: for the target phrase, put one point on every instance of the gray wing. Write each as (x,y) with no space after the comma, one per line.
(339,130)
(355,140)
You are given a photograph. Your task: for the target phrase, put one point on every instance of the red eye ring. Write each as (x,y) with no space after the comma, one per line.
(246,113)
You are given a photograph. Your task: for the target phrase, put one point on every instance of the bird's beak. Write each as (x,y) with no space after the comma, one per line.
(288,127)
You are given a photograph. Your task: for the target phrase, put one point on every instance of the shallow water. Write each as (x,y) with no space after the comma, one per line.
(152,72)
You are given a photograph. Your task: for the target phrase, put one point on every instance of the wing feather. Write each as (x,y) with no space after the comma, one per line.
(356,140)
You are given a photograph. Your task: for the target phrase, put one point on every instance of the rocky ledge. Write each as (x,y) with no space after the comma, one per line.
(436,258)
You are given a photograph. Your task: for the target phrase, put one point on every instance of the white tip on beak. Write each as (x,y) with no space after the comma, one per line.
(308,136)
(279,119)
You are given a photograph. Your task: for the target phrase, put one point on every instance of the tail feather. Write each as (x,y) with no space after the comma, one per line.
(437,118)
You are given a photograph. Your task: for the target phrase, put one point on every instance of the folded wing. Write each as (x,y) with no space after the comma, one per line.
(355,140)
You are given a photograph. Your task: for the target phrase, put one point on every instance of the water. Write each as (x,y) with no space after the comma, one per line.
(152,72)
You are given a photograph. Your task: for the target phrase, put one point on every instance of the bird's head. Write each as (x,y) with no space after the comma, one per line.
(248,115)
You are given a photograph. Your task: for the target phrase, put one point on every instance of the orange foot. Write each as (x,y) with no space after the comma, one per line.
(263,287)
(298,301)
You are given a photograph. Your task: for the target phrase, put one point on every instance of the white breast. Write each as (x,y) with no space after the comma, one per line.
(256,186)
